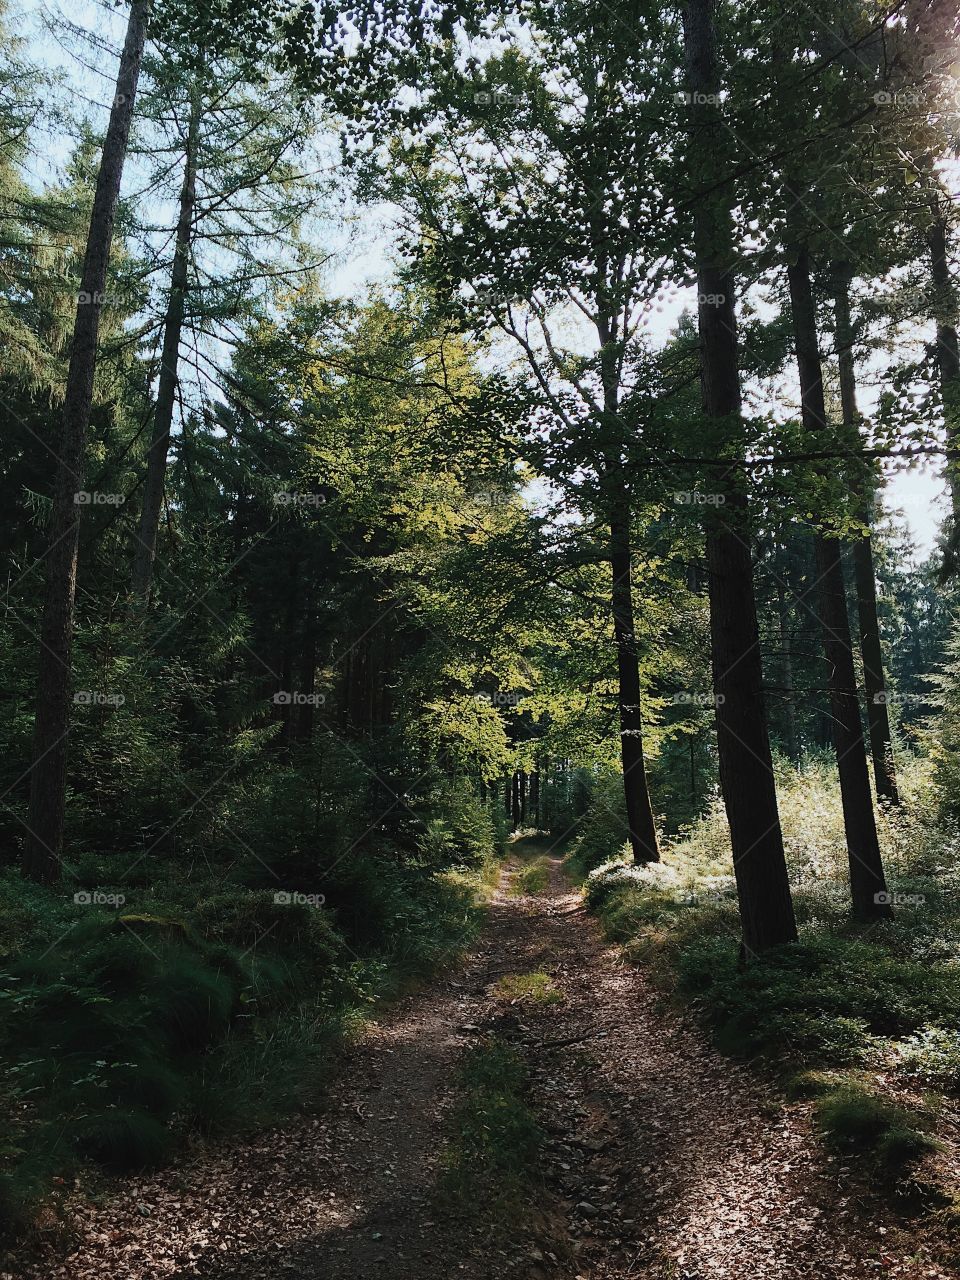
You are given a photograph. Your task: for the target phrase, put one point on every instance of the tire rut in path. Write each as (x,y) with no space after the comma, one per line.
(663,1160)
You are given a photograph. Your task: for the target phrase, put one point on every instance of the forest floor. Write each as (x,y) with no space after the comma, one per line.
(661,1159)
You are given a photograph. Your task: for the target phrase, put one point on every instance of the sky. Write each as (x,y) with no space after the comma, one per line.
(362,243)
(919,492)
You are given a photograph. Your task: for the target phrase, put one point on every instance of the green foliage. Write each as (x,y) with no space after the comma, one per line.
(946,740)
(817,1000)
(603,829)
(383,582)
(932,1057)
(214,1007)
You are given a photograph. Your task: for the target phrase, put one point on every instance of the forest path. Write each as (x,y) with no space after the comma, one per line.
(663,1160)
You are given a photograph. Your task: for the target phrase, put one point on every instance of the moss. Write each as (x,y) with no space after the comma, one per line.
(537,988)
(495,1137)
(853,1118)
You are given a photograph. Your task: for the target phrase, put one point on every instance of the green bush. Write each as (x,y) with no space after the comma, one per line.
(819,999)
(531,878)
(602,832)
(839,998)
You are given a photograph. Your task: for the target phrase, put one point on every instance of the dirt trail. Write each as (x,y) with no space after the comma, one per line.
(664,1161)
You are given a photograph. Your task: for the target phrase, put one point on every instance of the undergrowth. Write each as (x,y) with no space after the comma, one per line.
(140,1009)
(536,988)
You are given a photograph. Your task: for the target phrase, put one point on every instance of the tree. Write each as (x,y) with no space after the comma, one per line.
(169,358)
(875,689)
(746,766)
(867,884)
(506,251)
(238,130)
(48,771)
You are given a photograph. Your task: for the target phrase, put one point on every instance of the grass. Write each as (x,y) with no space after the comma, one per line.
(531,878)
(495,1137)
(853,1118)
(537,988)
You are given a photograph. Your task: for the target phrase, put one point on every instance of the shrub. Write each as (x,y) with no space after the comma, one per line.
(853,987)
(213,1004)
(842,995)
(603,830)
(932,1055)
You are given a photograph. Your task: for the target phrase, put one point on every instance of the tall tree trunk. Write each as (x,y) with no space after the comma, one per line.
(786,657)
(868,887)
(641,823)
(878,720)
(515,801)
(153,488)
(615,490)
(44,845)
(948,357)
(743,743)
(535,796)
(308,676)
(640,818)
